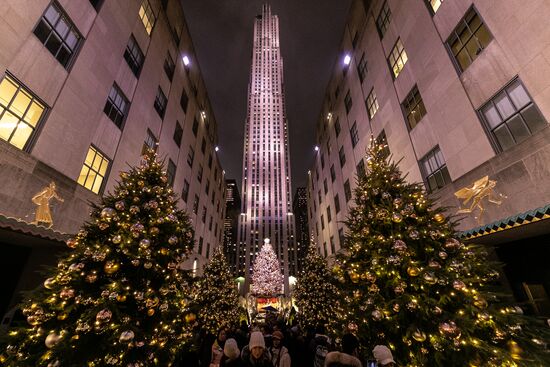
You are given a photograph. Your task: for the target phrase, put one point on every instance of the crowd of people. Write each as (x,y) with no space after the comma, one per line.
(277,345)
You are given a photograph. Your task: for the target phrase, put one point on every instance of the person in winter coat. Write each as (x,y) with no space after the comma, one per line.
(319,347)
(279,354)
(347,357)
(383,356)
(217,348)
(255,353)
(231,354)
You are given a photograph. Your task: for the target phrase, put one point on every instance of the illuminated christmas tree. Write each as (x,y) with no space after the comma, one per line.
(317,294)
(267,279)
(215,295)
(120,296)
(410,284)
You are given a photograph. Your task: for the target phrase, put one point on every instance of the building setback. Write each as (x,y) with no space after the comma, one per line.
(231,222)
(267,206)
(85,87)
(302,230)
(459,90)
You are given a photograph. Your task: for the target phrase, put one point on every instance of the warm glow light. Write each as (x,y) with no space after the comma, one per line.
(186,61)
(217,149)
(347,59)
(316,148)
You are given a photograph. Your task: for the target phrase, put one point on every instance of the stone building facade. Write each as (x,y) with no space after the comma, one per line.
(460,91)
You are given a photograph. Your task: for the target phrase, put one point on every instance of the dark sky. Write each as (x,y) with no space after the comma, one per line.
(222,31)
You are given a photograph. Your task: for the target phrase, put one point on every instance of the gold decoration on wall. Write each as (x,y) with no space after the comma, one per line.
(484,188)
(42,200)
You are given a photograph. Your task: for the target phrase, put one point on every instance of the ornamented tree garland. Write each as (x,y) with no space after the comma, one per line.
(215,295)
(412,285)
(120,297)
(267,280)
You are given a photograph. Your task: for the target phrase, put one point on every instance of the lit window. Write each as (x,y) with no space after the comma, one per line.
(511,116)
(383,20)
(413,107)
(94,170)
(20,112)
(372,104)
(58,34)
(116,106)
(435,170)
(147,16)
(397,58)
(134,56)
(468,39)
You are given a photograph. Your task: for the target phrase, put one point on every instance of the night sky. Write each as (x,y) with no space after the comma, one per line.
(311,31)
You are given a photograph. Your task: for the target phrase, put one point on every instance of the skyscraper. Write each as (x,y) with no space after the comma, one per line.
(267,204)
(232,212)
(302,230)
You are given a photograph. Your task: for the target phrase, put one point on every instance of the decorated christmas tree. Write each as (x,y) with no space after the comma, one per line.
(267,280)
(317,294)
(215,295)
(120,296)
(412,285)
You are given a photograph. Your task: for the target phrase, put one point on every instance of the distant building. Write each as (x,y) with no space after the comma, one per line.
(231,221)
(85,87)
(459,91)
(302,230)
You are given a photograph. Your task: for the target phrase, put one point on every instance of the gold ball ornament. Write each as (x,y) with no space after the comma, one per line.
(126,336)
(430,278)
(190,317)
(117,239)
(104,315)
(480,302)
(62,316)
(439,218)
(413,271)
(377,315)
(354,277)
(91,278)
(107,213)
(72,243)
(397,218)
(419,336)
(33,320)
(459,285)
(164,251)
(449,329)
(49,283)
(52,339)
(150,312)
(111,267)
(121,298)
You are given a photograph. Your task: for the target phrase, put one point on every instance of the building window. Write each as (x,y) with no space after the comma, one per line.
(58,34)
(196,204)
(116,106)
(383,20)
(322,161)
(381,139)
(511,116)
(185,191)
(348,102)
(195,127)
(199,173)
(355,40)
(325,185)
(434,5)
(171,172)
(190,156)
(322,222)
(160,103)
(362,67)
(413,107)
(203,216)
(93,170)
(342,156)
(332,173)
(468,39)
(347,191)
(134,56)
(325,248)
(341,236)
(329,215)
(96,4)
(210,163)
(332,245)
(398,58)
(320,197)
(147,16)
(372,104)
(169,66)
(20,112)
(150,143)
(337,204)
(337,127)
(178,133)
(207,187)
(354,134)
(201,242)
(435,170)
(203,146)
(184,100)
(361,172)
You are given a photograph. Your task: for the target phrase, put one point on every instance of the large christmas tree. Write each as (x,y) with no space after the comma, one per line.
(412,285)
(317,295)
(267,280)
(215,295)
(119,297)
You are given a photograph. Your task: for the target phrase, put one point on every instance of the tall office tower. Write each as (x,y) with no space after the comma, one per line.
(267,207)
(231,221)
(302,229)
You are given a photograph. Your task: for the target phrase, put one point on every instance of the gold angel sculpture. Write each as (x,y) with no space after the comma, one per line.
(42,200)
(481,189)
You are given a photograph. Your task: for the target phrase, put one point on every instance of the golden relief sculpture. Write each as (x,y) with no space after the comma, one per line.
(481,189)
(42,200)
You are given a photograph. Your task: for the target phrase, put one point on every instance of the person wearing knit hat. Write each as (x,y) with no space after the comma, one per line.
(279,354)
(231,354)
(383,356)
(255,353)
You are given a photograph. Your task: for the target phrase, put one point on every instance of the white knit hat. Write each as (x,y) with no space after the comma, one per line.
(231,350)
(382,354)
(256,340)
